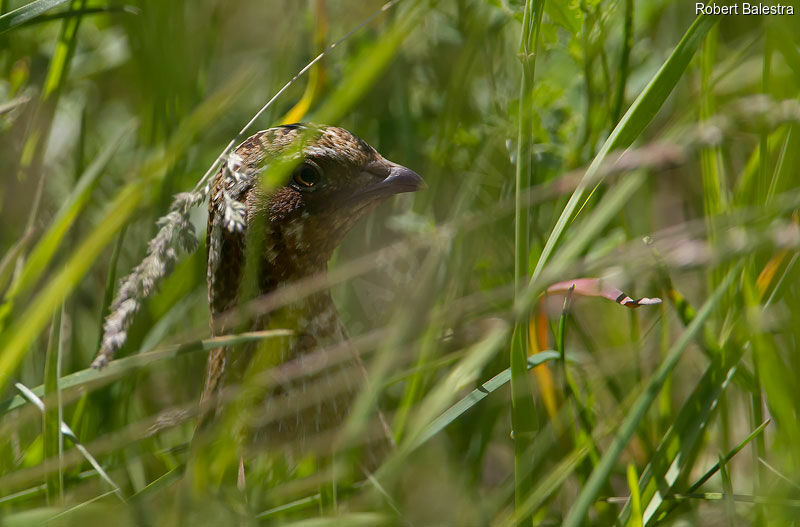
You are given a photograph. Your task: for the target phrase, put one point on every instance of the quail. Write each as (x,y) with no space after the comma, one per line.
(295,226)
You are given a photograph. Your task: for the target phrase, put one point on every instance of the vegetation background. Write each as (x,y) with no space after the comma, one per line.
(515,112)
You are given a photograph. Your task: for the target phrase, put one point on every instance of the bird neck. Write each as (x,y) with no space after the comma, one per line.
(292,265)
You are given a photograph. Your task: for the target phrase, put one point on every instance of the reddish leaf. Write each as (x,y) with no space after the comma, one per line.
(593,287)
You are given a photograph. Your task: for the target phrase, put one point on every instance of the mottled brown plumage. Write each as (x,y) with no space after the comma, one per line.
(338,179)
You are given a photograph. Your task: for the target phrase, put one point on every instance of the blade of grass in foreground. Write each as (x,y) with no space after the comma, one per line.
(586,498)
(633,123)
(355,519)
(119,367)
(25,13)
(67,431)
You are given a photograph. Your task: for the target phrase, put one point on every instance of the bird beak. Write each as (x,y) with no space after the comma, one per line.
(398,179)
(401,179)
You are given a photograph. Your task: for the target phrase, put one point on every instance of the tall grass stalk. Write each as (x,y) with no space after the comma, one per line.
(523,413)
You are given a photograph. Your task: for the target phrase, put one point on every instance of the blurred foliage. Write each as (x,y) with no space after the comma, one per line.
(107,109)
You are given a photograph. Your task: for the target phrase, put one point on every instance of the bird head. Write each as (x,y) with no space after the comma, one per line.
(337,178)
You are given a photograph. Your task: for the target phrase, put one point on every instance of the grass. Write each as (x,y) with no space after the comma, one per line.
(633,144)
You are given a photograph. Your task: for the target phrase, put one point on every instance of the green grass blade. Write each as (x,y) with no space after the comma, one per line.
(10,258)
(25,13)
(636,503)
(624,62)
(730,455)
(589,493)
(672,455)
(368,68)
(477,395)
(585,233)
(65,429)
(632,124)
(523,412)
(455,411)
(550,483)
(464,373)
(51,429)
(16,339)
(44,250)
(91,378)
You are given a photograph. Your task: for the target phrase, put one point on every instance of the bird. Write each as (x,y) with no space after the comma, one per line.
(288,233)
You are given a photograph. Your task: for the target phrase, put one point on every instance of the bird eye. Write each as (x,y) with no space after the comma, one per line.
(307,175)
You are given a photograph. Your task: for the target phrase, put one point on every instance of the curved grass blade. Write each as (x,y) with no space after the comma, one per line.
(460,408)
(10,257)
(67,431)
(585,233)
(730,455)
(477,395)
(635,501)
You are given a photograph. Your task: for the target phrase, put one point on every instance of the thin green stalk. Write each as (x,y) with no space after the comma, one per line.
(108,296)
(571,393)
(674,454)
(714,469)
(45,249)
(727,488)
(728,457)
(636,502)
(458,409)
(624,61)
(523,415)
(91,378)
(715,200)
